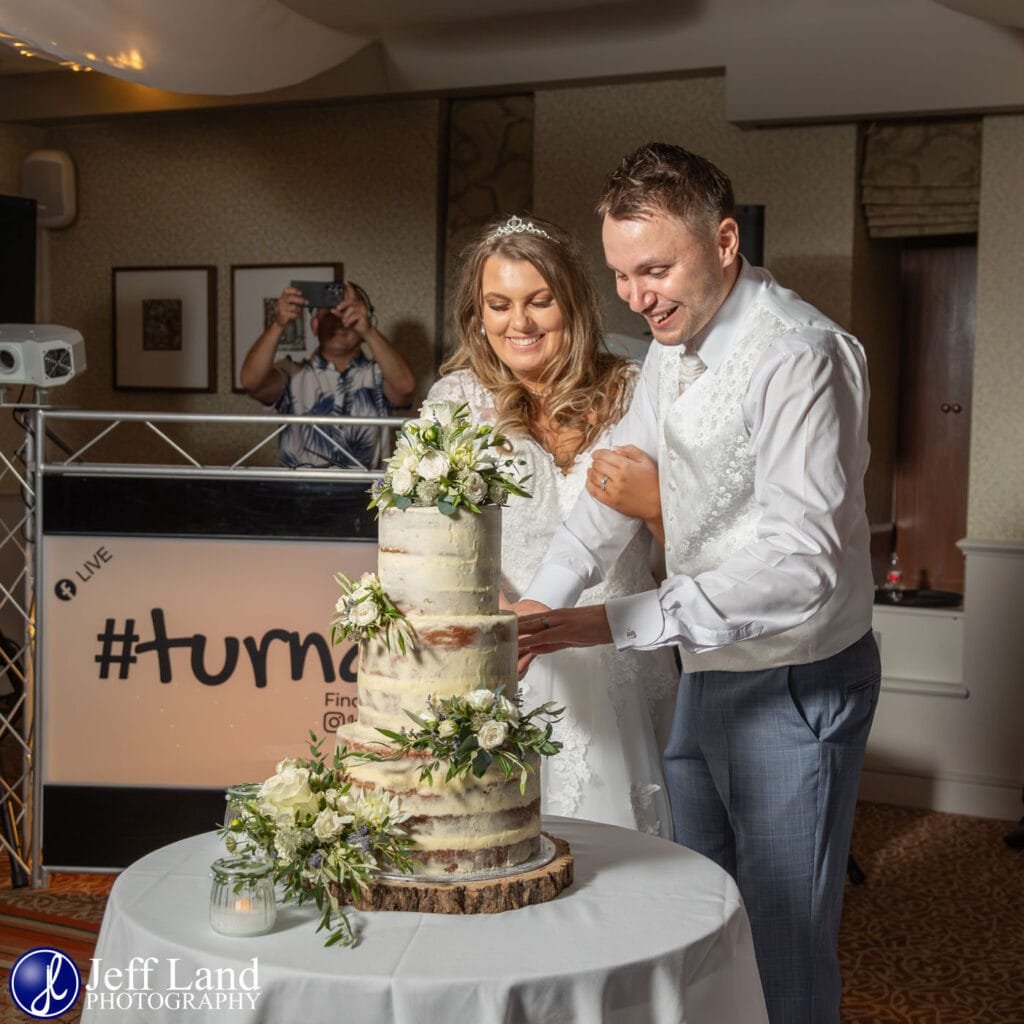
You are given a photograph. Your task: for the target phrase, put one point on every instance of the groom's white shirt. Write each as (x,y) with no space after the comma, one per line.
(761,464)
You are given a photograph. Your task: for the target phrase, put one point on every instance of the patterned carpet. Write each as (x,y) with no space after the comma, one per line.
(934,936)
(37,917)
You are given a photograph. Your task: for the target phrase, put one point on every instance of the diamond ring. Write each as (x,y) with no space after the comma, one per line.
(604,481)
(545,623)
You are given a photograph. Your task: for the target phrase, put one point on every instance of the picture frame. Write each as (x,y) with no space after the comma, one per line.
(164,328)
(255,289)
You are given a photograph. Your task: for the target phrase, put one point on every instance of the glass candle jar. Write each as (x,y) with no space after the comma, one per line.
(236,798)
(242,897)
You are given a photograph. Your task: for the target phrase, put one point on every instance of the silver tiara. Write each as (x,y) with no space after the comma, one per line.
(515,225)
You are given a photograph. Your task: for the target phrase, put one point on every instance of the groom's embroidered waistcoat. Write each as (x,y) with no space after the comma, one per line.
(707,468)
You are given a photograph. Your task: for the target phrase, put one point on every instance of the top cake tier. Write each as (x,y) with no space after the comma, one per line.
(432,564)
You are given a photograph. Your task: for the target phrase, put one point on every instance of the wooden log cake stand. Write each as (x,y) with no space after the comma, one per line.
(484,896)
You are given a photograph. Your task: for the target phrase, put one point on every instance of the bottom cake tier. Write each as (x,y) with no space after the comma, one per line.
(465,825)
(464,894)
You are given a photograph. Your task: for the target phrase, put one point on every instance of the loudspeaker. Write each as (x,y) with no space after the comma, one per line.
(48,176)
(43,355)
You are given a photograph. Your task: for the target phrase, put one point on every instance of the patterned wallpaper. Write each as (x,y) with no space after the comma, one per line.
(805,177)
(16,142)
(358,182)
(490,172)
(354,183)
(995,509)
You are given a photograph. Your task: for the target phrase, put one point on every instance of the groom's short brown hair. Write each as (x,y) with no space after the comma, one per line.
(662,177)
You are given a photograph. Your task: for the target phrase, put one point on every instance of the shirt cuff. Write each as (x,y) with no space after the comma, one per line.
(636,620)
(554,586)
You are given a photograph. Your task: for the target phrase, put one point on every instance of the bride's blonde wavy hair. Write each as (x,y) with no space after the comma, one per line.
(586,387)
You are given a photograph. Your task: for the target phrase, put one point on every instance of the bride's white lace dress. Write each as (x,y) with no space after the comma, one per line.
(609,768)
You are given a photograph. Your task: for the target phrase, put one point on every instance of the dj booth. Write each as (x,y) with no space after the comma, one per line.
(182,643)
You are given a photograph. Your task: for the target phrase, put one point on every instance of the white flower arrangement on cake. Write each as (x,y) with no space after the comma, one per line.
(364,610)
(472,732)
(322,839)
(443,460)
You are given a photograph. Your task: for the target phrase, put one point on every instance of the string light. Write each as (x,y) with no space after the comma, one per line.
(132,60)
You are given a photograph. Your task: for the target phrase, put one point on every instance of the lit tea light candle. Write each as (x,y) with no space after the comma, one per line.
(242,900)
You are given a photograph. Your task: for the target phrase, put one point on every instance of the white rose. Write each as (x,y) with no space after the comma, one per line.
(433,466)
(511,711)
(474,487)
(480,700)
(329,824)
(492,734)
(366,613)
(410,462)
(288,791)
(403,481)
(443,412)
(447,728)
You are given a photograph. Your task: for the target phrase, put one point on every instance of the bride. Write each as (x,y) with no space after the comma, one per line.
(529,358)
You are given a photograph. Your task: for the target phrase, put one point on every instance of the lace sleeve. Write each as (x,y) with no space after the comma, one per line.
(462,386)
(451,388)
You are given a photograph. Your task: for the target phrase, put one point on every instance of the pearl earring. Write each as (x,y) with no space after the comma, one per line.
(483,331)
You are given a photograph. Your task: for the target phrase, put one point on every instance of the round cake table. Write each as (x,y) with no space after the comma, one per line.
(648,933)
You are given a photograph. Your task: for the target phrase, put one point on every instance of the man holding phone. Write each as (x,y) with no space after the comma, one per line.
(339,379)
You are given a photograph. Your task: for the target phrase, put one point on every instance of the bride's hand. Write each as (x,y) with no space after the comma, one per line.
(626,479)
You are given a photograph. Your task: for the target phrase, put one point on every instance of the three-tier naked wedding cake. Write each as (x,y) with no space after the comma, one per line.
(440,733)
(442,572)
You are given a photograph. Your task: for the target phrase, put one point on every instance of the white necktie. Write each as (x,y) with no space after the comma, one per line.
(691,366)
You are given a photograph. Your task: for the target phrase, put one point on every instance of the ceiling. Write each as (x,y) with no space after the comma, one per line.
(255,45)
(925,56)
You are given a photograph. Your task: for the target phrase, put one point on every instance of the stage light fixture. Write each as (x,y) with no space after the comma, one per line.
(43,355)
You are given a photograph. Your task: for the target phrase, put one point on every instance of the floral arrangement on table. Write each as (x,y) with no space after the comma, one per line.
(472,732)
(443,460)
(323,839)
(364,611)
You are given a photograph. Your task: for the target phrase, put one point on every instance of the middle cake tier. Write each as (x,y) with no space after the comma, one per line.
(453,655)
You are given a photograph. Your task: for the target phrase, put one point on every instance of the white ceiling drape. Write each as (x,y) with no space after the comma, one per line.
(231,47)
(213,47)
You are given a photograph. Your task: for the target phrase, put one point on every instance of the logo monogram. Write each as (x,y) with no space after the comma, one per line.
(45,983)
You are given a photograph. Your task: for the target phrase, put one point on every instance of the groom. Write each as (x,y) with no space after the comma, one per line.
(754,406)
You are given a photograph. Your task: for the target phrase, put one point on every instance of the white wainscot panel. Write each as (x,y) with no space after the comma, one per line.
(949,730)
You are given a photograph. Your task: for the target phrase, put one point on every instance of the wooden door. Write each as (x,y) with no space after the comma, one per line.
(939,285)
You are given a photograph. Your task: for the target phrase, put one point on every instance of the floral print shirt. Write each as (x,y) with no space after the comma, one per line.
(316,388)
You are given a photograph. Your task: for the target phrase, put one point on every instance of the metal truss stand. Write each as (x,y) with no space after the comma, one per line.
(21,658)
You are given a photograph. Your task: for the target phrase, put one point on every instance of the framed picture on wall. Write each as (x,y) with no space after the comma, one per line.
(255,289)
(164,324)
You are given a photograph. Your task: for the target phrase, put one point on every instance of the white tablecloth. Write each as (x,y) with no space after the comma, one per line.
(648,933)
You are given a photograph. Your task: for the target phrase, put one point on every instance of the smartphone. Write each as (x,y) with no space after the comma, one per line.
(321,294)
